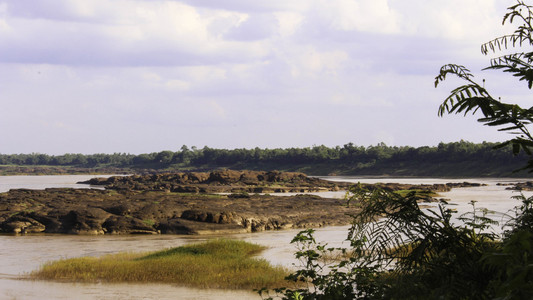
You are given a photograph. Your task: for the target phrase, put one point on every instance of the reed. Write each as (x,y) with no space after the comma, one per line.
(219,263)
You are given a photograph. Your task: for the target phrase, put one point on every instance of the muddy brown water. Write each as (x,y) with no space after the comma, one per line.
(20,255)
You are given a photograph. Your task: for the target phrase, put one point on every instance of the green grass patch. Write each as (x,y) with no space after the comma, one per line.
(418,192)
(218,263)
(149,222)
(208,196)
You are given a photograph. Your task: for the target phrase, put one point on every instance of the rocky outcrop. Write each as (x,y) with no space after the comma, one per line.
(85,211)
(230,181)
(220,181)
(437,188)
(520,186)
(184,203)
(23,224)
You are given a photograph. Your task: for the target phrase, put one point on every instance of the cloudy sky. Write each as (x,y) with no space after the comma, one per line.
(136,76)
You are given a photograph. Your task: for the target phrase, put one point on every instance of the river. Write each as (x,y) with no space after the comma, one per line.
(20,255)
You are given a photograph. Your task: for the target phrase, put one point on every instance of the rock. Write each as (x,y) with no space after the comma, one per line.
(177,203)
(85,221)
(224,177)
(128,225)
(185,189)
(208,217)
(122,209)
(217,181)
(21,224)
(175,226)
(239,195)
(197,177)
(51,223)
(522,186)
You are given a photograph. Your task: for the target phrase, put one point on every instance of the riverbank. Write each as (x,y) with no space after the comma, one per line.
(452,160)
(14,170)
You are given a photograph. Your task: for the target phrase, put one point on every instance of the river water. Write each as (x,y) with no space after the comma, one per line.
(20,255)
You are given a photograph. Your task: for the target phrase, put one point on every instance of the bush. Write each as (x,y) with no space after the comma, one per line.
(399,251)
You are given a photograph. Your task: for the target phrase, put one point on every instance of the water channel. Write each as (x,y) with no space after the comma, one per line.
(20,255)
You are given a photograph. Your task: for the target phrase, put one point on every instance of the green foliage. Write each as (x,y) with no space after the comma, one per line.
(513,262)
(149,222)
(447,159)
(473,97)
(322,280)
(400,251)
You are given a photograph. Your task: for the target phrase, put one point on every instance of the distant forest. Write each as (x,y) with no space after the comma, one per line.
(456,159)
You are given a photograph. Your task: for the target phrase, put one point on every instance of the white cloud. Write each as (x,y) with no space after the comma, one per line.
(254,27)
(176,84)
(451,19)
(369,16)
(3,24)
(177,70)
(308,62)
(123,33)
(289,22)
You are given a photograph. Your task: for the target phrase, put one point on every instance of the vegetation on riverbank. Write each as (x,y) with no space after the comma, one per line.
(219,263)
(400,251)
(457,159)
(415,253)
(13,170)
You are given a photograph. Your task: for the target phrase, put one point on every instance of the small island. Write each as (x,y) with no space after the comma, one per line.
(222,201)
(217,263)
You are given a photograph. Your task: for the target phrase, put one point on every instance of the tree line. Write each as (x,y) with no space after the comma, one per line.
(346,159)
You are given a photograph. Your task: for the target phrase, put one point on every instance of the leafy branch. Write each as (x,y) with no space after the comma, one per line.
(473,97)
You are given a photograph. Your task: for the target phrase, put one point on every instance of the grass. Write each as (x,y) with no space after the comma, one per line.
(420,193)
(219,263)
(149,222)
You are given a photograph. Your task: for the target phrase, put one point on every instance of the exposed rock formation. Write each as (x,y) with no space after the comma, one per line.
(180,203)
(437,187)
(230,181)
(520,186)
(220,181)
(123,212)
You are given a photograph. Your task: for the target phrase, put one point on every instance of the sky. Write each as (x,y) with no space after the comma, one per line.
(141,76)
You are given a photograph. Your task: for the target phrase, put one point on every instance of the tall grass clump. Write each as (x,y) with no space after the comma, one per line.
(219,263)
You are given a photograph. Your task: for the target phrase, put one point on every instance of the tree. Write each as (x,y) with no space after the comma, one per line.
(514,261)
(472,97)
(399,251)
(164,157)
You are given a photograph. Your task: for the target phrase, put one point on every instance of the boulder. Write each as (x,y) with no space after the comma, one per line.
(224,177)
(129,225)
(84,221)
(174,226)
(22,224)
